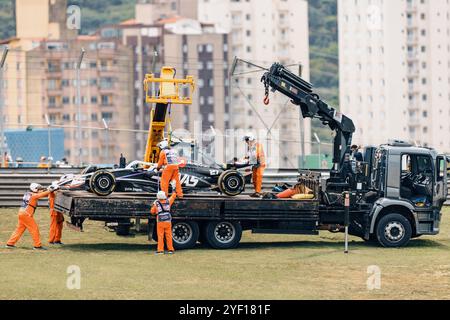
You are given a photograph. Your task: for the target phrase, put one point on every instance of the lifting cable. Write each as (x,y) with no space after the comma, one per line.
(265,125)
(266,83)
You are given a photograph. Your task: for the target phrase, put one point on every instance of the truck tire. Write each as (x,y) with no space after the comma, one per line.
(231,183)
(223,234)
(393,231)
(102,183)
(185,234)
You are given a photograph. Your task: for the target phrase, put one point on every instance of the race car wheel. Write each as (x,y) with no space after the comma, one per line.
(223,234)
(231,183)
(102,183)
(184,234)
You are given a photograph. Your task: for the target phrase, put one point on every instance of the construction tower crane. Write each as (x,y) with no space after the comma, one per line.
(163,92)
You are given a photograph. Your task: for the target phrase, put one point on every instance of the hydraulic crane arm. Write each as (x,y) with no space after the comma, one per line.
(301,92)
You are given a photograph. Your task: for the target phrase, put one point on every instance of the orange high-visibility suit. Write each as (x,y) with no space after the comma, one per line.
(26,219)
(5,161)
(57,221)
(164,222)
(169,160)
(258,160)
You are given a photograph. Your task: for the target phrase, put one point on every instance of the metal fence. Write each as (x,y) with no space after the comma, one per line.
(15,182)
(103,143)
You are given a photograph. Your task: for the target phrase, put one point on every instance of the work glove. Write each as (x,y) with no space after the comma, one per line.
(53,188)
(153,170)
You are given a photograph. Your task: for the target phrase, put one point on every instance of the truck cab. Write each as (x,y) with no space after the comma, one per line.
(411,184)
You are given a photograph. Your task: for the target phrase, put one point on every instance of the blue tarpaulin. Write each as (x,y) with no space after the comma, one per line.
(32,145)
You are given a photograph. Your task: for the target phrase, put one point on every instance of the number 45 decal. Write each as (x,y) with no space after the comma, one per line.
(189,181)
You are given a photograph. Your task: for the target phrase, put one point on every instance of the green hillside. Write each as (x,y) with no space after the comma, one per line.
(94,13)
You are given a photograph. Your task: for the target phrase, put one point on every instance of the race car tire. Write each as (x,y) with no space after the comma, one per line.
(223,234)
(102,183)
(231,183)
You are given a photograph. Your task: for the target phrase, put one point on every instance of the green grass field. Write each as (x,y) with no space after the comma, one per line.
(263,267)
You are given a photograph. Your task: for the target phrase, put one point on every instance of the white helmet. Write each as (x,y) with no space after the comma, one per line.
(163,144)
(161,195)
(249,137)
(35,187)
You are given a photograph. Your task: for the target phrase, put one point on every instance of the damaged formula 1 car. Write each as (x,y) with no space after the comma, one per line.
(138,176)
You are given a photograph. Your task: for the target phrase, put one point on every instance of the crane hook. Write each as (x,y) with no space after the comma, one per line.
(267,100)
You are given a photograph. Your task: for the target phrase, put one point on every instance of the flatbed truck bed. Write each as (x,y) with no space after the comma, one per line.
(212,218)
(83,204)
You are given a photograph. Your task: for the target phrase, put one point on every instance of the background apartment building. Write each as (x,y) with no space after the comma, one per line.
(145,40)
(40,80)
(263,32)
(197,37)
(395,70)
(154,10)
(193,48)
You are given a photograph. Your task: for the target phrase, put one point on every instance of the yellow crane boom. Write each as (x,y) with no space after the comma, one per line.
(163,92)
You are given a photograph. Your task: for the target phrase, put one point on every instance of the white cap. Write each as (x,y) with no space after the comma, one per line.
(161,195)
(249,137)
(35,187)
(163,144)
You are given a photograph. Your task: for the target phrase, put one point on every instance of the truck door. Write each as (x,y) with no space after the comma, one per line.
(418,180)
(441,187)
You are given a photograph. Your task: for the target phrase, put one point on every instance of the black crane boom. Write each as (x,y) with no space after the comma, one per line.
(301,92)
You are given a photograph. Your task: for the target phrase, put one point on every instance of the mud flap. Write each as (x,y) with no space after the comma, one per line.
(366,227)
(75,224)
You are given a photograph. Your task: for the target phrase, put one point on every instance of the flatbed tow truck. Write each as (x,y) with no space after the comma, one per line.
(394,196)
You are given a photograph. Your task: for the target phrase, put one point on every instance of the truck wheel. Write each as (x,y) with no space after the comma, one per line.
(223,234)
(102,183)
(185,234)
(231,183)
(393,231)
